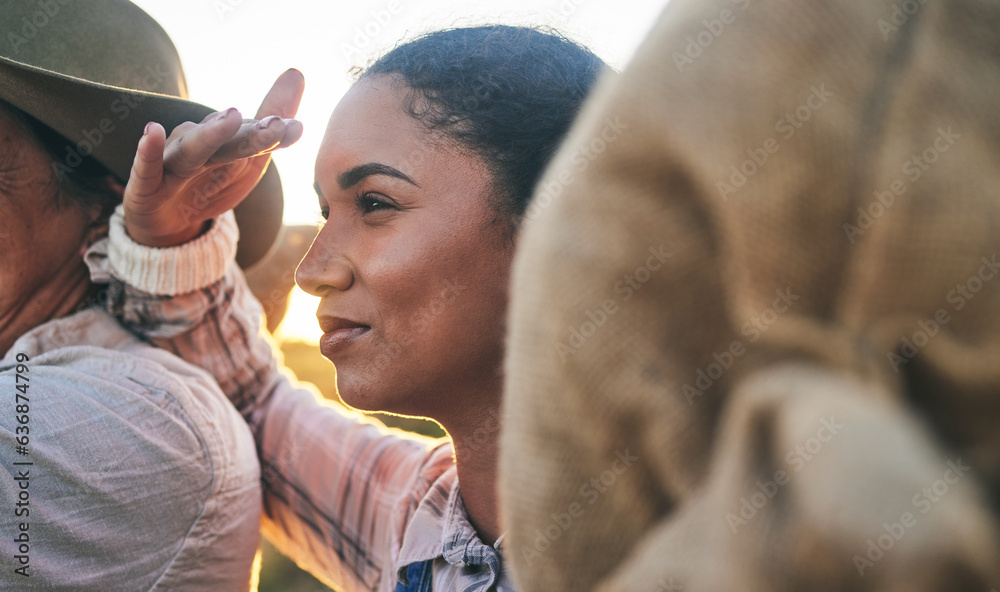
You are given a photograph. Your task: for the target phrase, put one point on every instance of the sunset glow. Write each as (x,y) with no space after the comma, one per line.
(233,50)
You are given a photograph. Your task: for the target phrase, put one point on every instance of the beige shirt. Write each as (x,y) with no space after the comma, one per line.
(141,475)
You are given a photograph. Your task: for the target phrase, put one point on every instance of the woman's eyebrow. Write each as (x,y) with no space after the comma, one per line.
(359,172)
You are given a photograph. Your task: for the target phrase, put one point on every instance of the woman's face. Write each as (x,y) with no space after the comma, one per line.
(41,240)
(412,264)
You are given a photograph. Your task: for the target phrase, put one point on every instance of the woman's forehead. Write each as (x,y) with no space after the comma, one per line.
(372,124)
(374,106)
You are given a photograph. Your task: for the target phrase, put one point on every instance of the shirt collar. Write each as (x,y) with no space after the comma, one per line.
(440,527)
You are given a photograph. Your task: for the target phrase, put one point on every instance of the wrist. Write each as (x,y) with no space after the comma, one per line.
(147,237)
(163,241)
(175,270)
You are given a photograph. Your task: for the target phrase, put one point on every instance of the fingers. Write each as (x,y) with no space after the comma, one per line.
(222,138)
(284,97)
(147,168)
(252,139)
(259,137)
(293,131)
(192,145)
(283,100)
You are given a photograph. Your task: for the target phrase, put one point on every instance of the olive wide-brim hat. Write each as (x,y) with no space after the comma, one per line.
(96,72)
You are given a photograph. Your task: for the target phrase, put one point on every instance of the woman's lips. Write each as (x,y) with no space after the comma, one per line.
(339,336)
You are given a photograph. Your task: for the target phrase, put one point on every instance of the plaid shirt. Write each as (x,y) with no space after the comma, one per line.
(351,501)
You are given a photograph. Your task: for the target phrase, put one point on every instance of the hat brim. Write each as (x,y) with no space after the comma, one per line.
(106,122)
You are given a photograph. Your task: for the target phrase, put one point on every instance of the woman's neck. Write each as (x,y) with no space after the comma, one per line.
(475,435)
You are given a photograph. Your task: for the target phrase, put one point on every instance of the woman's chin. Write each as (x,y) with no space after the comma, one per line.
(358,394)
(378,398)
(354,400)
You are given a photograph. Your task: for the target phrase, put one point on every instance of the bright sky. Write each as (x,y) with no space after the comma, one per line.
(232,50)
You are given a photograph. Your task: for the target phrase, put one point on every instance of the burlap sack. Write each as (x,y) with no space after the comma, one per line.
(755,328)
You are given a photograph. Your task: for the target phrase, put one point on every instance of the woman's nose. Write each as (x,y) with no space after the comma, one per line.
(324,268)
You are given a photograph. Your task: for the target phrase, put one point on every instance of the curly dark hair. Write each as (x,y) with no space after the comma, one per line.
(507,93)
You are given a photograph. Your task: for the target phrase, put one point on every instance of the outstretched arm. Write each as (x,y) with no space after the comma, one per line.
(337,487)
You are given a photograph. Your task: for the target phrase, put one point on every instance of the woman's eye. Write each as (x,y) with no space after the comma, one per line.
(370,202)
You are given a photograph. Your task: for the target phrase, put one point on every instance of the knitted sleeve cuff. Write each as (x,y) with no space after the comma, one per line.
(174,270)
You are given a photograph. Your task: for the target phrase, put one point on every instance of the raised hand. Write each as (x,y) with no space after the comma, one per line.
(204,169)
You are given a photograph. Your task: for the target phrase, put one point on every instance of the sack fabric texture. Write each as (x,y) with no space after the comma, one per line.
(755,321)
